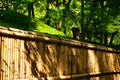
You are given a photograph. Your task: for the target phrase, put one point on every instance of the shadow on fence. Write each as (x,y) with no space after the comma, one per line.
(28,55)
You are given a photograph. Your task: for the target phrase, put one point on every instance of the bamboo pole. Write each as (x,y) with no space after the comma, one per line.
(13,57)
(8,57)
(21,34)
(5,57)
(0,59)
(16,59)
(21,59)
(89,75)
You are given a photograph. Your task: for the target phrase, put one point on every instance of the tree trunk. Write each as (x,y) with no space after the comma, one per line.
(104,34)
(58,24)
(63,21)
(63,17)
(47,12)
(102,31)
(66,5)
(112,36)
(83,28)
(57,3)
(76,33)
(101,36)
(31,10)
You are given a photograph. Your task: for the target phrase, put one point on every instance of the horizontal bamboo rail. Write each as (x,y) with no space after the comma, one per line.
(16,33)
(64,77)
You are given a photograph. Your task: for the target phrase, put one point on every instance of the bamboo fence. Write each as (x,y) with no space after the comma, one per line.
(27,55)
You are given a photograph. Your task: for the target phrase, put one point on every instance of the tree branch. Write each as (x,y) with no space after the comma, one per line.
(112,36)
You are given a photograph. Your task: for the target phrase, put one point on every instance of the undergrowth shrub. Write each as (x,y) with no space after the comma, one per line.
(18,19)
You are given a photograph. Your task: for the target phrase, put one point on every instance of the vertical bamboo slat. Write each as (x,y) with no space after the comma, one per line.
(5,58)
(61,60)
(70,60)
(41,53)
(85,62)
(80,61)
(13,58)
(8,57)
(93,63)
(74,58)
(85,58)
(54,58)
(21,60)
(16,60)
(0,59)
(66,63)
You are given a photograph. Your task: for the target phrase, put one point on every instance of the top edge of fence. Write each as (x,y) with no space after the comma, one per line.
(28,35)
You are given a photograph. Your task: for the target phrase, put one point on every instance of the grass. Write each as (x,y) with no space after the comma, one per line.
(43,28)
(17,20)
(40,28)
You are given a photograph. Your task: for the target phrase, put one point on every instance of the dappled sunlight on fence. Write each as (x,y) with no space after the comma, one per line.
(93,62)
(28,55)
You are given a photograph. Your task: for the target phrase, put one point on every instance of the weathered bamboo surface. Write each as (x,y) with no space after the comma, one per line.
(31,56)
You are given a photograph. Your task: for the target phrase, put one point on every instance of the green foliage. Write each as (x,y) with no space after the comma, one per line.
(43,28)
(15,18)
(96,20)
(7,24)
